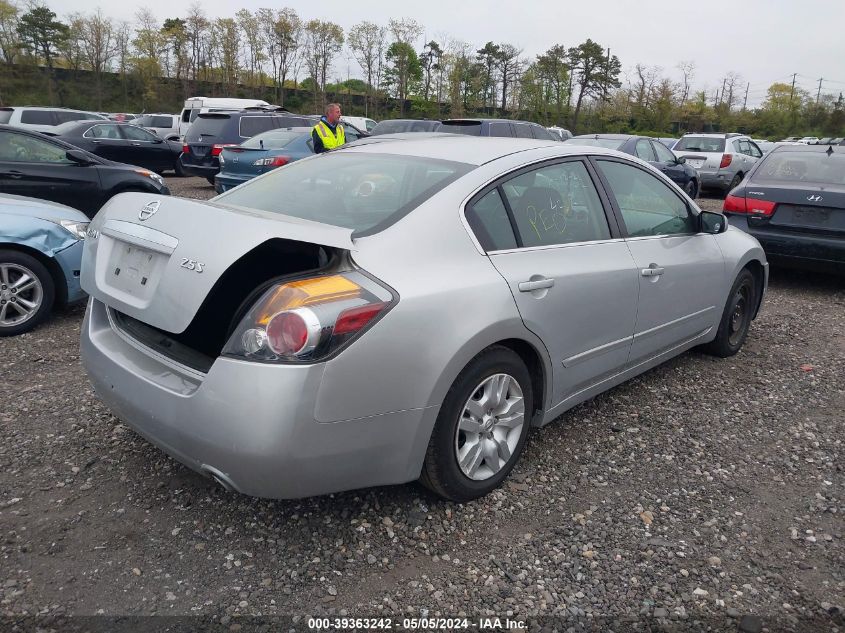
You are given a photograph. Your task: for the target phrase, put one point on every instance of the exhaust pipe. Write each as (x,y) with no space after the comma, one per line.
(219,477)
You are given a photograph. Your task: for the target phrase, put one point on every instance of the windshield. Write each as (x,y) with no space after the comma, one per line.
(359,191)
(277,139)
(700,144)
(607,143)
(816,167)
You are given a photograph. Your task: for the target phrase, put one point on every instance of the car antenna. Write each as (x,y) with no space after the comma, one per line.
(829,150)
(261,142)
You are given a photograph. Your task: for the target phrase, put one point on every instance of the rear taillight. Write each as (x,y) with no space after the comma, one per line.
(726,160)
(216,149)
(763,208)
(275,161)
(734,204)
(751,206)
(306,320)
(186,149)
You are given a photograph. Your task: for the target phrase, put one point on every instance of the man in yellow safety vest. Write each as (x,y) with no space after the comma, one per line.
(328,133)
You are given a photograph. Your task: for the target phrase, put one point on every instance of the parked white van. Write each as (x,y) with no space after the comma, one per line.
(196,105)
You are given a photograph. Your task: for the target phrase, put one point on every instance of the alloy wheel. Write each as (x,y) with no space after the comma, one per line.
(21,294)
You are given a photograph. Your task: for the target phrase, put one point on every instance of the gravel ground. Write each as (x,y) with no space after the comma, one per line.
(698,493)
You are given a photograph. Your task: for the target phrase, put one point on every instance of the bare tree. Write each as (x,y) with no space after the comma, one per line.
(366,41)
(508,64)
(254,42)
(324,40)
(122,39)
(283,35)
(228,44)
(99,47)
(688,70)
(70,47)
(196,25)
(405,30)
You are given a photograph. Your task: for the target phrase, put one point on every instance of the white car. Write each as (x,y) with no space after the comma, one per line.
(360,122)
(164,126)
(808,140)
(43,119)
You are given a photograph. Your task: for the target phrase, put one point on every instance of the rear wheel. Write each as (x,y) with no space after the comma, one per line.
(27,292)
(481,428)
(736,318)
(210,181)
(177,168)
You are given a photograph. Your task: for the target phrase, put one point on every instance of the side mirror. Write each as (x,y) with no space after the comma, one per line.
(713,223)
(680,160)
(79,157)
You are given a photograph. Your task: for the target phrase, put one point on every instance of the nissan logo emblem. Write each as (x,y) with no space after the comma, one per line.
(148,210)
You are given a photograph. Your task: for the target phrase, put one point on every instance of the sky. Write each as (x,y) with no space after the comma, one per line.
(761,40)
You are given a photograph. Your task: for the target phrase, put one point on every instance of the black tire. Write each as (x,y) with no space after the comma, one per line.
(736,317)
(441,472)
(691,189)
(177,169)
(734,183)
(48,291)
(210,181)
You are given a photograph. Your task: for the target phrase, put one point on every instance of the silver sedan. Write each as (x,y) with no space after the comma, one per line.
(401,309)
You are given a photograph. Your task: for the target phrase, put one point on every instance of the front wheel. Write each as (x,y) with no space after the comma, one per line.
(691,189)
(26,292)
(481,428)
(736,318)
(734,183)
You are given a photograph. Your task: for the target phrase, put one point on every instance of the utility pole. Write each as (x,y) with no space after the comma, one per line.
(724,81)
(792,92)
(819,93)
(745,101)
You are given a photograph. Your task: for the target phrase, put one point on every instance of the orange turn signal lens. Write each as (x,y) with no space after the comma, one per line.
(305,292)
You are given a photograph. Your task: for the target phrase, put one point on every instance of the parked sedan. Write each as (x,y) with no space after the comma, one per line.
(265,152)
(793,202)
(32,164)
(650,150)
(40,257)
(124,143)
(307,332)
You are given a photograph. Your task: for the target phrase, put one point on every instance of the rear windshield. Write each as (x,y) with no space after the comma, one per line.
(816,167)
(700,144)
(363,192)
(210,126)
(396,127)
(607,143)
(276,139)
(252,125)
(6,115)
(149,120)
(470,128)
(37,117)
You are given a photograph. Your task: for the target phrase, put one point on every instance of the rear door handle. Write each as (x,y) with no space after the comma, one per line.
(538,284)
(13,174)
(652,271)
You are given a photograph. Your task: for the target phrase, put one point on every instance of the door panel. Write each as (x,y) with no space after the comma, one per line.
(680,271)
(150,151)
(586,317)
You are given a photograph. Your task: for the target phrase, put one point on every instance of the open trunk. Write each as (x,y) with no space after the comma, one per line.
(178,279)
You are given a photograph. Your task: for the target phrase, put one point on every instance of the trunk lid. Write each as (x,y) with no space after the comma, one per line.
(239,160)
(805,209)
(161,268)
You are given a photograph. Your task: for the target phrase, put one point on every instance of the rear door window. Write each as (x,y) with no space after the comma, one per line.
(663,154)
(643,150)
(102,131)
(501,129)
(556,204)
(252,125)
(38,117)
(522,130)
(135,133)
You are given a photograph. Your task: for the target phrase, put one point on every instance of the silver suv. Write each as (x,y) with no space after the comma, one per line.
(43,119)
(722,160)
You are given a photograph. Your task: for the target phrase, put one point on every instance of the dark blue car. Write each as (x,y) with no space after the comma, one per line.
(650,150)
(40,258)
(265,152)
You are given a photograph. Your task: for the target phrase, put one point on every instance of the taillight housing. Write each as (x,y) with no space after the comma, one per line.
(273,161)
(186,149)
(309,319)
(751,206)
(216,149)
(726,160)
(734,204)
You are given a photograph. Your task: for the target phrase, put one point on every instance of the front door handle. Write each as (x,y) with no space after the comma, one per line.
(13,174)
(653,270)
(537,284)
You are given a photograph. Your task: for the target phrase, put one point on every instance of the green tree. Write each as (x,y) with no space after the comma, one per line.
(174,32)
(10,43)
(283,34)
(430,62)
(552,69)
(508,64)
(402,71)
(595,73)
(43,34)
(488,57)
(324,40)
